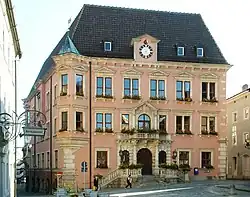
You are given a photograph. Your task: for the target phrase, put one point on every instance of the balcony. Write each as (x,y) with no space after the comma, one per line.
(142,136)
(151,134)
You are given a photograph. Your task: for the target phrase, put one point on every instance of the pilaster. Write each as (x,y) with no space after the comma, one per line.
(222,158)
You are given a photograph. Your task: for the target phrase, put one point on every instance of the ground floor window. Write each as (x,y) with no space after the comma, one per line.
(205,159)
(183,157)
(102,159)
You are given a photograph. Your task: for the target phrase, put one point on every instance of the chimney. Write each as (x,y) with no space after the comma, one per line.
(244,87)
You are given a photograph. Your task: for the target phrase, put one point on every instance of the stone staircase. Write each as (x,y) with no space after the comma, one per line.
(117,178)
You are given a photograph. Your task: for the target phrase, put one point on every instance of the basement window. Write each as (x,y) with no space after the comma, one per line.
(107,46)
(199,52)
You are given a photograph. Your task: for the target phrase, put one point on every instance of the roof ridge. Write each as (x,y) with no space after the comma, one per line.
(139,9)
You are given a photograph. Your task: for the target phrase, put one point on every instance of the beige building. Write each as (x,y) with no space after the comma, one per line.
(238,132)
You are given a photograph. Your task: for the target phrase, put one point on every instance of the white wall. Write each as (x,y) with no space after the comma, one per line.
(6,99)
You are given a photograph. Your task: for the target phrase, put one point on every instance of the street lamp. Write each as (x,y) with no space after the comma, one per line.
(30,123)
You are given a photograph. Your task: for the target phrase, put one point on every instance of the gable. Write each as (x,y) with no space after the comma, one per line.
(145,36)
(208,76)
(62,67)
(158,73)
(184,75)
(145,107)
(132,71)
(105,70)
(80,68)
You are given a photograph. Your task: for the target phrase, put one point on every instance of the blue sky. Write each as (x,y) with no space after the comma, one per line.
(42,23)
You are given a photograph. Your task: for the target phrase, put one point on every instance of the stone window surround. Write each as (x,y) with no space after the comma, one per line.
(54,158)
(47,100)
(209,115)
(244,113)
(105,112)
(183,88)
(55,125)
(182,78)
(206,150)
(244,138)
(105,76)
(60,117)
(83,82)
(234,112)
(60,81)
(131,77)
(184,150)
(55,91)
(42,161)
(83,118)
(234,134)
(108,155)
(209,81)
(183,114)
(47,159)
(157,78)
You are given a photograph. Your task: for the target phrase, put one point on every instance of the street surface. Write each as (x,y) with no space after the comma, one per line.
(194,189)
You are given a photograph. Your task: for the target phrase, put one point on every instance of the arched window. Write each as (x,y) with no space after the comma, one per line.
(144,122)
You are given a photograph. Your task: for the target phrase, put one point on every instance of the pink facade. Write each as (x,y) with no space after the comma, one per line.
(73,145)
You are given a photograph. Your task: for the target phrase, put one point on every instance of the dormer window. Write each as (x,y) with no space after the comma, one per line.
(180,51)
(107,46)
(199,52)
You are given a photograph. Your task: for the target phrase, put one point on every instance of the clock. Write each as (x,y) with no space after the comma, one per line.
(146,51)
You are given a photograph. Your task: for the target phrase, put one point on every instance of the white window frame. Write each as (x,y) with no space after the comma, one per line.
(234,134)
(43,154)
(109,43)
(47,164)
(208,88)
(183,121)
(103,87)
(131,83)
(189,155)
(83,83)
(83,118)
(158,120)
(183,89)
(61,74)
(183,51)
(129,119)
(202,52)
(244,113)
(103,120)
(48,100)
(212,155)
(157,90)
(208,116)
(108,156)
(245,134)
(235,112)
(60,118)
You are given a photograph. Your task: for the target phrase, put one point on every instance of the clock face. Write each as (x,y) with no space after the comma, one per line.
(146,51)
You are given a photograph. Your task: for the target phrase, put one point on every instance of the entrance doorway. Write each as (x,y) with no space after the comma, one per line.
(144,157)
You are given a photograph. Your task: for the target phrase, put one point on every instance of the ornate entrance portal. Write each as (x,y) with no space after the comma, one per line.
(144,157)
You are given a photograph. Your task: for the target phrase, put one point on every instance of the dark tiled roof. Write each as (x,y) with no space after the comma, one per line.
(96,24)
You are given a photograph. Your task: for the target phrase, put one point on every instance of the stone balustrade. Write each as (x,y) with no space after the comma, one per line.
(153,136)
(119,173)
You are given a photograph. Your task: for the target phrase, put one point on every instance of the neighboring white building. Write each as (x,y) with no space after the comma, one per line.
(9,51)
